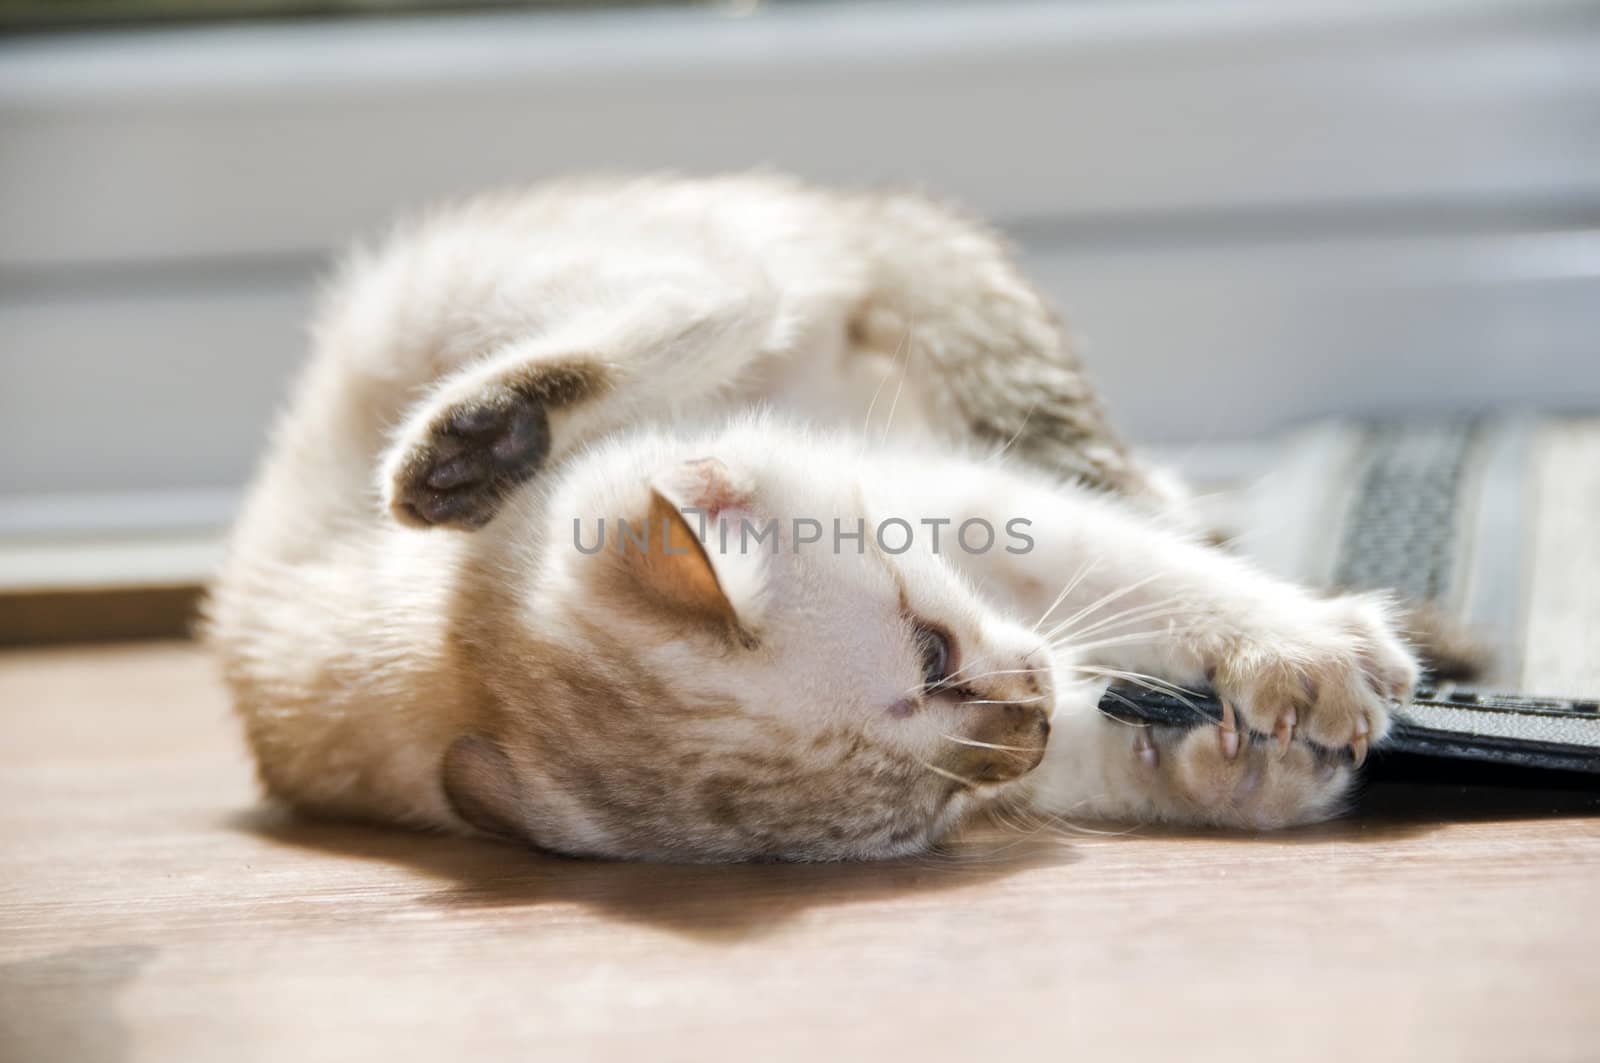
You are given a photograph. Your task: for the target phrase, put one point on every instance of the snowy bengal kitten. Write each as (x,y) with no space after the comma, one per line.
(417,624)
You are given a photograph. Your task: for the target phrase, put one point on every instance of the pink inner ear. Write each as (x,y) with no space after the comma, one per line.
(706,484)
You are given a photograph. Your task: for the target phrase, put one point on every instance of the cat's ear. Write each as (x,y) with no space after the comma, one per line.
(482,786)
(688,559)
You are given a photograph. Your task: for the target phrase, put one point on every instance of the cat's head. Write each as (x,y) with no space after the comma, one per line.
(653,696)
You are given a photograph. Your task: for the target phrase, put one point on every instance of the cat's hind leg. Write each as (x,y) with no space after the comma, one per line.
(494,422)
(478,437)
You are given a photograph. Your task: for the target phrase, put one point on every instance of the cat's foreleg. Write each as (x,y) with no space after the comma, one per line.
(1308,680)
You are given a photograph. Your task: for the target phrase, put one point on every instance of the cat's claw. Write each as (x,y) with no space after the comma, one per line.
(1198,782)
(1283,733)
(1144,747)
(1228,731)
(1331,683)
(1358,743)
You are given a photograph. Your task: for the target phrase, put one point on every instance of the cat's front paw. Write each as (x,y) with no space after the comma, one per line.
(1201,776)
(463,450)
(1328,678)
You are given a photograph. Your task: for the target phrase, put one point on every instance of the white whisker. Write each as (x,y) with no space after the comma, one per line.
(1003,701)
(866,425)
(1059,822)
(1071,586)
(1100,603)
(952,776)
(1149,611)
(1115,640)
(905,371)
(951,679)
(989,745)
(1018,433)
(1149,682)
(1109,693)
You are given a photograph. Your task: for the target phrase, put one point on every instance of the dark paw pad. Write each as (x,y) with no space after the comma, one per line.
(475,453)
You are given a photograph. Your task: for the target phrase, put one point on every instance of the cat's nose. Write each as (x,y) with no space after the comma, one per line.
(1002,741)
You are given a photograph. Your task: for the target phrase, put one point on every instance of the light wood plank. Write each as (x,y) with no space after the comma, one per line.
(150,910)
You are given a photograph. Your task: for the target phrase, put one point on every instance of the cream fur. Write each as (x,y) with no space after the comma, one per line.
(616,337)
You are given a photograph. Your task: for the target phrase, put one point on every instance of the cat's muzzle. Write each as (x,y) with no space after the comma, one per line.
(1004,742)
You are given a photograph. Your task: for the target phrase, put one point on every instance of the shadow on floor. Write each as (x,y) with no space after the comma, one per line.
(1403,797)
(708,901)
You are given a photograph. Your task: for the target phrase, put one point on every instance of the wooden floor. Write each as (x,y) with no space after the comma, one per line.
(150,909)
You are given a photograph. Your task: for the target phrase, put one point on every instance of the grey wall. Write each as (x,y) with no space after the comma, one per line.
(1254,214)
